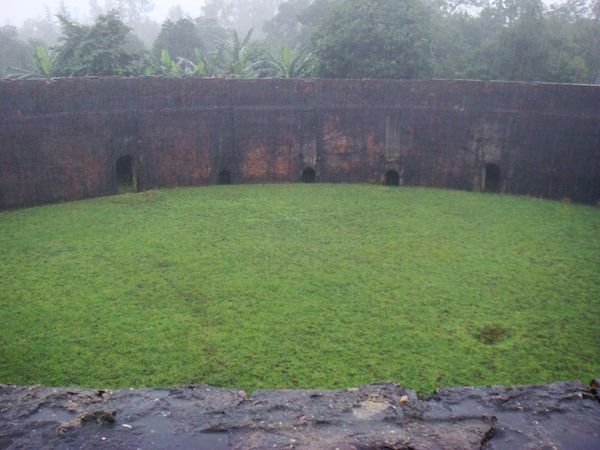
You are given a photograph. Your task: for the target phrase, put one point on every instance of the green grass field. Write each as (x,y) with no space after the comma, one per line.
(298,286)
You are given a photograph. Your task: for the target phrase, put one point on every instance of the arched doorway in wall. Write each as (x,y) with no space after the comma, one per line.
(492,179)
(392,178)
(224,177)
(126,175)
(309,175)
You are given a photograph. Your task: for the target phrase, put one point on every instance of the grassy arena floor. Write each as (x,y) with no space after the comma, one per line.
(296,286)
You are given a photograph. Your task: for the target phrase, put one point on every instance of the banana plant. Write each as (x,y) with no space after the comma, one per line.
(201,66)
(190,68)
(44,63)
(233,57)
(168,67)
(43,66)
(289,63)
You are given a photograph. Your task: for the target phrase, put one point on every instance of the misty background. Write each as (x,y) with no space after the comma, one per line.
(520,40)
(15,12)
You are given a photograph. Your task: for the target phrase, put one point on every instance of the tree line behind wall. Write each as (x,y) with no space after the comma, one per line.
(516,40)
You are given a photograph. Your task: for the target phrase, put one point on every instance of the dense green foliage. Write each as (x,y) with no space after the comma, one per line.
(520,40)
(179,38)
(99,49)
(296,21)
(375,39)
(242,15)
(14,54)
(287,63)
(287,286)
(212,35)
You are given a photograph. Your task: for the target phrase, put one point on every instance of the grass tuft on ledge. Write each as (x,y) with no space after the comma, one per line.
(300,286)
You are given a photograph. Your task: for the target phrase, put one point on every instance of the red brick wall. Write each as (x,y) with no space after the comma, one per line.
(60,139)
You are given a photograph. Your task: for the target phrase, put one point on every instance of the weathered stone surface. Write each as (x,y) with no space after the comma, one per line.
(60,139)
(563,415)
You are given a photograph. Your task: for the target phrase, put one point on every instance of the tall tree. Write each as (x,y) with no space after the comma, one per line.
(241,15)
(97,49)
(455,46)
(295,22)
(212,35)
(517,48)
(574,36)
(375,39)
(14,54)
(180,38)
(46,29)
(134,12)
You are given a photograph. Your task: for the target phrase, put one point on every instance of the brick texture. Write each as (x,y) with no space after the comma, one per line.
(60,139)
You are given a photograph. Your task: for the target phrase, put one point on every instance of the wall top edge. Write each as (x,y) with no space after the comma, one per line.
(21,99)
(341,81)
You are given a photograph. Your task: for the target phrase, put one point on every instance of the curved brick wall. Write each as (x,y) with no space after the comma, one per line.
(60,139)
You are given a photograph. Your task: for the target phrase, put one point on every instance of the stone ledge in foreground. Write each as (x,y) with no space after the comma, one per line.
(564,415)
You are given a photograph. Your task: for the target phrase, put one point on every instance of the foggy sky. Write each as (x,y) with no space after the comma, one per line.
(14,12)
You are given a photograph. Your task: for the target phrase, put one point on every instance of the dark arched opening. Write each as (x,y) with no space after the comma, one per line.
(224,177)
(492,178)
(309,175)
(126,175)
(392,178)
